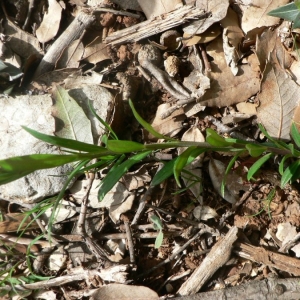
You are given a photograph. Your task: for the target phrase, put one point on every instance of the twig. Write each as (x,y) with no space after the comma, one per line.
(217,257)
(205,58)
(170,258)
(130,242)
(118,12)
(73,32)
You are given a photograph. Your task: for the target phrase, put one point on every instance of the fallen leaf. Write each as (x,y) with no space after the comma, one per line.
(230,54)
(224,86)
(156,8)
(50,24)
(247,108)
(169,126)
(255,14)
(96,51)
(278,99)
(71,56)
(204,213)
(217,10)
(285,232)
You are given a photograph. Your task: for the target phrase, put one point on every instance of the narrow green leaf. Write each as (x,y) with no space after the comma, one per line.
(72,121)
(114,175)
(257,165)
(281,165)
(255,150)
(119,146)
(146,125)
(19,166)
(290,173)
(65,143)
(216,140)
(295,134)
(159,239)
(164,173)
(105,124)
(229,166)
(185,158)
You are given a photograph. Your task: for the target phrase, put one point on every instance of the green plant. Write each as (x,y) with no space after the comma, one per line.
(119,156)
(158,226)
(290,12)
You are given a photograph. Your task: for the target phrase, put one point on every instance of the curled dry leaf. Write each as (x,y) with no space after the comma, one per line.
(50,24)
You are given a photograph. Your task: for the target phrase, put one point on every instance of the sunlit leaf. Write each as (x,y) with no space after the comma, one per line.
(156,222)
(114,175)
(164,173)
(257,165)
(255,150)
(65,143)
(119,146)
(216,140)
(290,173)
(281,165)
(295,134)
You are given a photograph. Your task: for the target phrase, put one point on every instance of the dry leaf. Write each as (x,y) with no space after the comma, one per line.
(230,54)
(96,51)
(169,126)
(156,8)
(286,232)
(204,213)
(210,34)
(225,88)
(194,178)
(255,14)
(217,9)
(50,24)
(71,56)
(278,99)
(21,42)
(247,108)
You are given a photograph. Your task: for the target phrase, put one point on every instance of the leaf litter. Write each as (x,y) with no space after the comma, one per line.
(235,63)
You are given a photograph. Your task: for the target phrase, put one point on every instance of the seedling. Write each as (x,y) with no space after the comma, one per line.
(157,224)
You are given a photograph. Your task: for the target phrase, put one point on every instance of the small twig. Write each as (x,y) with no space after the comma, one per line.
(170,258)
(130,242)
(118,12)
(205,58)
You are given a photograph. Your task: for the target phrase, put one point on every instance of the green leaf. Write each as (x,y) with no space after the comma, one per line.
(216,140)
(288,12)
(119,146)
(65,143)
(156,222)
(295,134)
(105,124)
(281,165)
(183,159)
(146,125)
(19,166)
(230,165)
(291,173)
(255,150)
(159,239)
(114,175)
(257,165)
(72,121)
(164,173)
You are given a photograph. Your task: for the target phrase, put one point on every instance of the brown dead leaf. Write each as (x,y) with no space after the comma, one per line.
(96,51)
(246,108)
(225,88)
(156,8)
(210,34)
(71,56)
(169,126)
(278,99)
(50,24)
(217,9)
(255,14)
(21,42)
